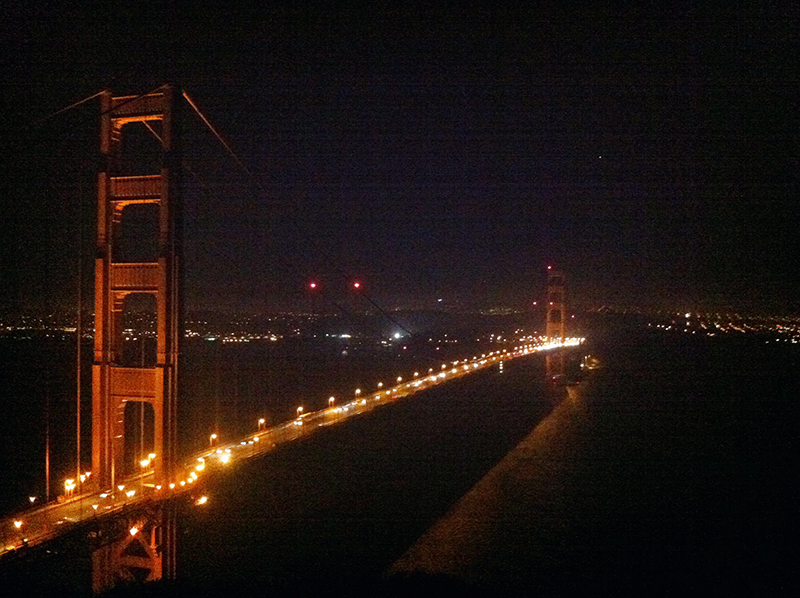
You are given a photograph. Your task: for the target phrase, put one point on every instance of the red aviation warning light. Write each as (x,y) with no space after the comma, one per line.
(312,285)
(356,285)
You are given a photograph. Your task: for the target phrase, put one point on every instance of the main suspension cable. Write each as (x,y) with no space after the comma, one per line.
(220,139)
(41,121)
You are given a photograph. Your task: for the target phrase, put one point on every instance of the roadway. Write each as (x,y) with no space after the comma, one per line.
(38,525)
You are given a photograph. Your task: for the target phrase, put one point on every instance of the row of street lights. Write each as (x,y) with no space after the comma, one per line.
(331,400)
(70,485)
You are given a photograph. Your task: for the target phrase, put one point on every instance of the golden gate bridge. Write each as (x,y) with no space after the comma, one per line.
(127,517)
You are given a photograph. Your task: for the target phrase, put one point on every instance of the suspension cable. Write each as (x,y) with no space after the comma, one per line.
(220,139)
(44,119)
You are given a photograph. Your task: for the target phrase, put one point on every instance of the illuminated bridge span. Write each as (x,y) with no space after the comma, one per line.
(45,523)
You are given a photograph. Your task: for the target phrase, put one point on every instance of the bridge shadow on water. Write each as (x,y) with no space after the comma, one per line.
(331,513)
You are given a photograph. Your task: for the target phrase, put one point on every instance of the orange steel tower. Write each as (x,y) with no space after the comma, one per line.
(114,384)
(556,314)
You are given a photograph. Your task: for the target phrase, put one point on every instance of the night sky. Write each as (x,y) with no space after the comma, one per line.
(430,153)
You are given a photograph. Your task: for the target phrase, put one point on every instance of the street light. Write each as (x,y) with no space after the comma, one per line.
(380,384)
(358,391)
(261,423)
(299,411)
(331,401)
(211,439)
(69,486)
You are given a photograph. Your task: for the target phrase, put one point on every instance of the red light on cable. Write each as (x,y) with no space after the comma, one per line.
(356,285)
(312,285)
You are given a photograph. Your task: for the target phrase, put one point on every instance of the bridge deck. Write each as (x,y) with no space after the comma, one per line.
(39,525)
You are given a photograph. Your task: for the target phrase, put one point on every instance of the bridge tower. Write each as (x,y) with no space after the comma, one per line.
(555,324)
(114,383)
(556,313)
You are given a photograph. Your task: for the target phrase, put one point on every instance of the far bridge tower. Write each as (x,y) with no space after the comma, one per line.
(555,323)
(555,313)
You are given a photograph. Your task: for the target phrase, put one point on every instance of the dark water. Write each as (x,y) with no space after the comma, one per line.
(675,476)
(684,478)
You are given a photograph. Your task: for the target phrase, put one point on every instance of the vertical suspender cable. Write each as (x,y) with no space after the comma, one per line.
(78,333)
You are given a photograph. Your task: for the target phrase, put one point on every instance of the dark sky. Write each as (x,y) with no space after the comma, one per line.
(428,152)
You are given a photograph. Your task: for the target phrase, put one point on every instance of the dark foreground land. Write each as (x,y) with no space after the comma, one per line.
(669,471)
